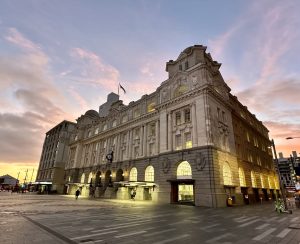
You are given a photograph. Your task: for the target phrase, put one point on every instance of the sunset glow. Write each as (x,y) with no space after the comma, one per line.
(59,59)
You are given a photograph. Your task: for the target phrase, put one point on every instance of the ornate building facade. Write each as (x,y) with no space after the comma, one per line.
(190,141)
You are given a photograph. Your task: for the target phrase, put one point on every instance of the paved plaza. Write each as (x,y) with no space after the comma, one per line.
(47,219)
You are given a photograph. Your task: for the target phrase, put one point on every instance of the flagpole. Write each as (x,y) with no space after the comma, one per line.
(118,88)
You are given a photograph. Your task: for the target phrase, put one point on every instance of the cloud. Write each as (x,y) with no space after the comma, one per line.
(79,99)
(25,132)
(146,70)
(31,103)
(15,37)
(279,132)
(273,99)
(93,70)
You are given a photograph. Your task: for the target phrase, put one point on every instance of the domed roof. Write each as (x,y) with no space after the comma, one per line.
(92,112)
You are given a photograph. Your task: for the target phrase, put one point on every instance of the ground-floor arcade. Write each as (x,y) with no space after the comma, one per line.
(198,177)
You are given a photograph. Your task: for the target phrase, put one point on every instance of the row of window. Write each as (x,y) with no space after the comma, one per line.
(183,116)
(184,170)
(227,178)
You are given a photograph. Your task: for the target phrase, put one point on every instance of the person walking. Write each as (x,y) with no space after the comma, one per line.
(77,193)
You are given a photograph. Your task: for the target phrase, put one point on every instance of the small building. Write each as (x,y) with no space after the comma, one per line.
(8,182)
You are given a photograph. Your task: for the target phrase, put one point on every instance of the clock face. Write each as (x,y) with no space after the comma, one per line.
(109,156)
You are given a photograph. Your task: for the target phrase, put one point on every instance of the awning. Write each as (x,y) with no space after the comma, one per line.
(135,183)
(183,181)
(41,183)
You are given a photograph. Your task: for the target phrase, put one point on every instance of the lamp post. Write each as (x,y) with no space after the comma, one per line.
(278,172)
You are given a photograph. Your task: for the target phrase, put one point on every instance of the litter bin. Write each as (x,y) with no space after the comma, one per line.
(229,201)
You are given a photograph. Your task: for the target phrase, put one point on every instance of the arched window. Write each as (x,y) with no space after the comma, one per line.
(272,182)
(253,180)
(262,181)
(124,118)
(104,127)
(180,90)
(82,178)
(133,174)
(151,107)
(114,123)
(149,173)
(184,170)
(90,179)
(227,176)
(242,177)
(269,183)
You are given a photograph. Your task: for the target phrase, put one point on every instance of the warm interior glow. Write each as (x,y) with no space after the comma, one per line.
(185,192)
(188,144)
(19,168)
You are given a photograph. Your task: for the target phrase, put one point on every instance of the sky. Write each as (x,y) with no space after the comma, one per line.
(59,59)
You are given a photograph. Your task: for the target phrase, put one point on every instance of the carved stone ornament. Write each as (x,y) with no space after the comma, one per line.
(166,165)
(200,162)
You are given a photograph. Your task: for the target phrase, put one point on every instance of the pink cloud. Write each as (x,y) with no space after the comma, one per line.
(279,132)
(80,100)
(94,71)
(15,37)
(28,87)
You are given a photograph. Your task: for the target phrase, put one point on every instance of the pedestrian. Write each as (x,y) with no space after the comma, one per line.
(134,193)
(77,193)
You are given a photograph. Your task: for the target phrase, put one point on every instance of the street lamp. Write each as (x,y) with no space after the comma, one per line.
(278,172)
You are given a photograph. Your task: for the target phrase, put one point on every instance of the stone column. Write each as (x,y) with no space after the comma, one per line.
(194,124)
(117,149)
(163,131)
(170,140)
(129,144)
(145,140)
(157,137)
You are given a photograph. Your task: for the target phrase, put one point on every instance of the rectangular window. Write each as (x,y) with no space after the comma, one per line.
(137,133)
(152,130)
(151,149)
(188,140)
(114,141)
(178,143)
(178,118)
(223,117)
(187,115)
(136,152)
(248,136)
(186,65)
(180,67)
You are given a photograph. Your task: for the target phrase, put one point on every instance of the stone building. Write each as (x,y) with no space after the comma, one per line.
(191,141)
(50,176)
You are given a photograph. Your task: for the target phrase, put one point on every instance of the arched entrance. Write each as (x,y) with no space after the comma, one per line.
(182,188)
(120,175)
(98,182)
(108,179)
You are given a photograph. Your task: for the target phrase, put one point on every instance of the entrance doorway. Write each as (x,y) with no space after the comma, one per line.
(256,195)
(265,194)
(147,194)
(185,192)
(244,191)
(182,192)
